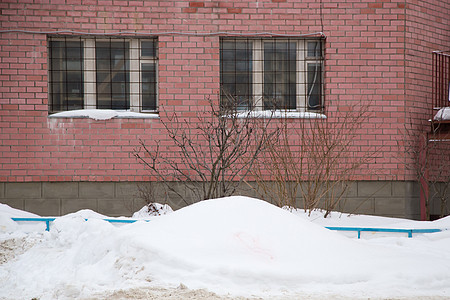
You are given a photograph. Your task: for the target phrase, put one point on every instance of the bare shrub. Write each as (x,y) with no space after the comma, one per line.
(210,154)
(314,158)
(430,165)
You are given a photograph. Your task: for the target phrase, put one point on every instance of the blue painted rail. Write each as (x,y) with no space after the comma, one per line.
(356,229)
(48,220)
(361,229)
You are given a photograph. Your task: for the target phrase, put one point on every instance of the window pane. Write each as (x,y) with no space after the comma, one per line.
(236,73)
(148,48)
(66,75)
(279,75)
(112,76)
(148,86)
(314,49)
(314,91)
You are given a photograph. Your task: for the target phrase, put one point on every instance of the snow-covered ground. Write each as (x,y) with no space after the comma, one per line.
(228,248)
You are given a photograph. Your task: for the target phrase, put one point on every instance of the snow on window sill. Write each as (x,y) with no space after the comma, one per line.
(103,114)
(281,114)
(443,114)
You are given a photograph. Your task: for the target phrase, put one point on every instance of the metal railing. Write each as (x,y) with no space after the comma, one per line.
(441,79)
(387,230)
(408,231)
(48,220)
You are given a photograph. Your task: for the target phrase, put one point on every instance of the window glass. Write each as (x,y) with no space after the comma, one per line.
(66,75)
(148,49)
(314,89)
(148,86)
(314,49)
(279,75)
(112,65)
(236,73)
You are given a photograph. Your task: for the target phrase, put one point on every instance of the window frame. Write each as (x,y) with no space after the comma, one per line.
(89,72)
(303,60)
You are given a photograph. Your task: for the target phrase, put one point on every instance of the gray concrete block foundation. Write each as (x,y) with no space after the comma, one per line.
(386,198)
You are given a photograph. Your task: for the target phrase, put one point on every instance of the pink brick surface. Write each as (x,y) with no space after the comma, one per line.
(376,51)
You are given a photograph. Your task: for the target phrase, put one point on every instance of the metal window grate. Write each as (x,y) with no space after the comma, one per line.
(267,73)
(103,72)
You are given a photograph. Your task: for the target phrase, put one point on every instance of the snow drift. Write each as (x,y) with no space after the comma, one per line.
(235,245)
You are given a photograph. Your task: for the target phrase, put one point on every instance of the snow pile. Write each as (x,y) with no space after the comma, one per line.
(352,220)
(101,114)
(443,114)
(279,114)
(7,225)
(152,210)
(10,212)
(235,245)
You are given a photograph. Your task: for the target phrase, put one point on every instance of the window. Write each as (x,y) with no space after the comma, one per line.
(103,73)
(272,73)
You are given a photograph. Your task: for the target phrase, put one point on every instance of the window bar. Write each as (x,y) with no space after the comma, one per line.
(50,89)
(80,48)
(126,103)
(66,96)
(111,73)
(289,76)
(96,76)
(249,66)
(235,96)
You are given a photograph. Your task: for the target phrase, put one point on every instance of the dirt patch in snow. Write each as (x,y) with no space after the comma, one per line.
(181,292)
(186,294)
(10,248)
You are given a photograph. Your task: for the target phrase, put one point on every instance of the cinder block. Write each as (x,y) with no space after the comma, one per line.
(99,190)
(44,207)
(374,188)
(352,190)
(23,190)
(60,190)
(115,207)
(405,189)
(357,206)
(138,204)
(14,203)
(74,205)
(392,207)
(128,189)
(412,208)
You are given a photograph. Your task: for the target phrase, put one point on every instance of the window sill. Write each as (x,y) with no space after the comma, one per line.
(278,114)
(103,114)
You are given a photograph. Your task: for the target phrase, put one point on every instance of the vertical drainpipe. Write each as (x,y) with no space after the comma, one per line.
(423,177)
(424,192)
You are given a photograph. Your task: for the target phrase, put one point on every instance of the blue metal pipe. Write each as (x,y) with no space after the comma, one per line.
(48,220)
(357,229)
(408,231)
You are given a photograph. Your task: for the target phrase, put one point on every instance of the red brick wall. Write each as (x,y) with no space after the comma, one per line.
(427,30)
(365,61)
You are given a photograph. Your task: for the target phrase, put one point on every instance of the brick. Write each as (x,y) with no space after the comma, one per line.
(190,10)
(196,4)
(234,10)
